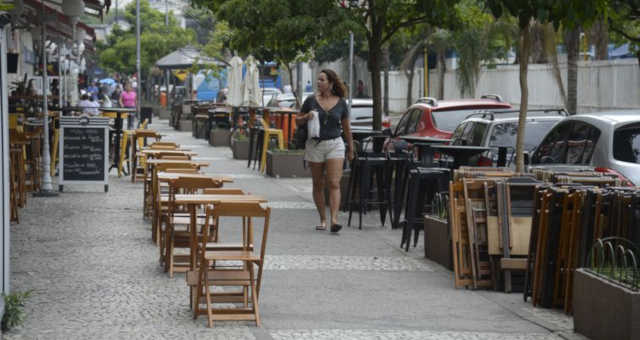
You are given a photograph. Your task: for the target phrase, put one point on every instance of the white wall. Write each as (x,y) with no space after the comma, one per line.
(602,85)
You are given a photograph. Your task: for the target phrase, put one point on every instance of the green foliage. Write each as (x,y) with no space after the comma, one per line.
(6,6)
(624,22)
(156,40)
(14,309)
(201,21)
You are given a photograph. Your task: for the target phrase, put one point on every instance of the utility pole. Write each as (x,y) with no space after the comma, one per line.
(166,13)
(350,69)
(139,75)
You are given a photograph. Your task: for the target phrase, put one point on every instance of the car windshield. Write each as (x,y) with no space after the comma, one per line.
(626,144)
(504,134)
(448,120)
(361,112)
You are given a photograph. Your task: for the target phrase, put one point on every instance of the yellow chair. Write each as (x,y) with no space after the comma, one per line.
(268,133)
(124,142)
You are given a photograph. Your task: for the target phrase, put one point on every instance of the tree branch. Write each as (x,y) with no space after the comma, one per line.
(623,33)
(407,23)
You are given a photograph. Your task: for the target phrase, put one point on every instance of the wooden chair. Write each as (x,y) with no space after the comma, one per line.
(176,158)
(244,277)
(150,185)
(14,182)
(164,146)
(224,191)
(177,220)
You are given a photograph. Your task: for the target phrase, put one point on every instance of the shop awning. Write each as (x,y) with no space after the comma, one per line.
(184,58)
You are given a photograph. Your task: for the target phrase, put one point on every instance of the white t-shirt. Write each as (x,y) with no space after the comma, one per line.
(90,107)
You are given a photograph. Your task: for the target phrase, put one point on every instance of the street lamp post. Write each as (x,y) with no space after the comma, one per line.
(46,189)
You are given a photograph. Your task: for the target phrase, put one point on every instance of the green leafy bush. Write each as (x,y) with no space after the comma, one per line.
(14,309)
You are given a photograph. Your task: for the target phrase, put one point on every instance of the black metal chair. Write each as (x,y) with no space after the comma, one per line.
(367,169)
(422,186)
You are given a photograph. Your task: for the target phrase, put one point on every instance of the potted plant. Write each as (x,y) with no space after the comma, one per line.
(606,296)
(437,233)
(286,163)
(240,146)
(221,137)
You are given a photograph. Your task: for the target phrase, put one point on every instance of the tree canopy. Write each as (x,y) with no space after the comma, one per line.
(118,53)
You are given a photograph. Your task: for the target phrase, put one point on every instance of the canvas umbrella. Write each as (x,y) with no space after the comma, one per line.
(234,97)
(251,85)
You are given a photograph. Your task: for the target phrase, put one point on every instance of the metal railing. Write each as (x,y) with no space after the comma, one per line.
(615,259)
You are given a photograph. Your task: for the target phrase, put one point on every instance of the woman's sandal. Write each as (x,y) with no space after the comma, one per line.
(335,228)
(321,227)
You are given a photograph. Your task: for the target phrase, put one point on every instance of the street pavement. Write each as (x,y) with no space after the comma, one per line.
(89,260)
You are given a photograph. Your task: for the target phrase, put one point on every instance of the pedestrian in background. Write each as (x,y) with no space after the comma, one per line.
(327,152)
(128,100)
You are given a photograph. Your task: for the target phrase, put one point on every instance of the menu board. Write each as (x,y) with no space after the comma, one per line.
(83,155)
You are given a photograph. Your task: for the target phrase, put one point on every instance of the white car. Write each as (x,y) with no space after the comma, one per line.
(268,93)
(362,115)
(608,141)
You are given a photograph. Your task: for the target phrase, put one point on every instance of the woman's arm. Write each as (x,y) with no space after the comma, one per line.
(305,114)
(346,126)
(120,100)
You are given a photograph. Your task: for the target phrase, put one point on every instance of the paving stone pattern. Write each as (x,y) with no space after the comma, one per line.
(94,273)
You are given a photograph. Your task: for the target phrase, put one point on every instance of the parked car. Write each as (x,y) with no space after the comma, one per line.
(361,115)
(608,141)
(499,128)
(268,93)
(429,117)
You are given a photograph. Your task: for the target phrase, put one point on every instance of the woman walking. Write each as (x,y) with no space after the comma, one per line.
(327,152)
(128,100)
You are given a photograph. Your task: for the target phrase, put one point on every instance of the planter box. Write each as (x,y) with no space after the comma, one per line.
(602,309)
(240,149)
(185,125)
(286,164)
(437,241)
(222,137)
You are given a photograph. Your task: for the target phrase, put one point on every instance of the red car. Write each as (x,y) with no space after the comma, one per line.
(429,117)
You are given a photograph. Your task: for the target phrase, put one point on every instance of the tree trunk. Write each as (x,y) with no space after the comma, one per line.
(573,48)
(375,56)
(525,46)
(385,53)
(410,74)
(290,72)
(600,32)
(442,69)
(552,56)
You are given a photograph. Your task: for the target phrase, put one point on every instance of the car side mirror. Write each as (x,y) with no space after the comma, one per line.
(387,132)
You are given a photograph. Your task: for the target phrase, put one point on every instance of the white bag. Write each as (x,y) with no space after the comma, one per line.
(314,126)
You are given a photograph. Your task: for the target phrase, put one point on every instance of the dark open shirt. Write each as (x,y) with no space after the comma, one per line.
(330,122)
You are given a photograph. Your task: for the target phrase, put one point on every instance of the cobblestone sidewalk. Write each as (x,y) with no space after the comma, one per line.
(94,273)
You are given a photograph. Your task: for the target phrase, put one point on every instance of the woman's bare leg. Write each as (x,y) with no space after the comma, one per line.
(317,174)
(334,174)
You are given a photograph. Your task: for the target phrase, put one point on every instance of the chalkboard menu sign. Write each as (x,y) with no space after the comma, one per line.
(84,150)
(83,154)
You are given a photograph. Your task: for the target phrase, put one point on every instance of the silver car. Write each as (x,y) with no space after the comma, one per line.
(608,141)
(499,128)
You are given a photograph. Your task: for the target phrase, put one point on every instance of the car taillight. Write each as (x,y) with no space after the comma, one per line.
(386,123)
(485,161)
(623,180)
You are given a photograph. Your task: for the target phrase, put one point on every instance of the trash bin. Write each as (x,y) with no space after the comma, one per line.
(201,126)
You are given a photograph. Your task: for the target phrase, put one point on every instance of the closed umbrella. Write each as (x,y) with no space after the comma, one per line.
(234,97)
(251,85)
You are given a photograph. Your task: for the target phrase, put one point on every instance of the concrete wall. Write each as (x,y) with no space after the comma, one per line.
(602,85)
